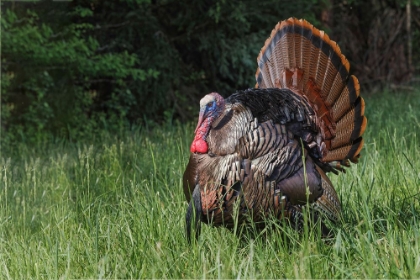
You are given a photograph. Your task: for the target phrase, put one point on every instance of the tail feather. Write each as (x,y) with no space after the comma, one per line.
(346,99)
(351,126)
(305,48)
(286,52)
(321,64)
(345,152)
(304,59)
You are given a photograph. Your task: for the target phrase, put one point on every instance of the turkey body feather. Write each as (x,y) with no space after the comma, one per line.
(267,149)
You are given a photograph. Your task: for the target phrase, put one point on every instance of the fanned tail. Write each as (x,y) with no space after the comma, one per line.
(303,59)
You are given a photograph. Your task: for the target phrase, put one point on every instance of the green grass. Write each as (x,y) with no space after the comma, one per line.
(114,208)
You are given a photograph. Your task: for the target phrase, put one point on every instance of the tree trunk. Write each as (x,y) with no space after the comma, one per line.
(409,41)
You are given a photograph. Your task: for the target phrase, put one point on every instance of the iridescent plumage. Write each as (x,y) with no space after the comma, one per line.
(268,148)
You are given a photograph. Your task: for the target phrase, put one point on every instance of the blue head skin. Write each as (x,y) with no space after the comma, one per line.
(211,107)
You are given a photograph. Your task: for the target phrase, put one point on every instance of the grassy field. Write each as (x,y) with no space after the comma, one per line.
(114,208)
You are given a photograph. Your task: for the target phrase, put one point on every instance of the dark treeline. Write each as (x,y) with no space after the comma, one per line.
(72,68)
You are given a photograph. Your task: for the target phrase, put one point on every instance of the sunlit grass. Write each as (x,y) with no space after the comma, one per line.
(114,208)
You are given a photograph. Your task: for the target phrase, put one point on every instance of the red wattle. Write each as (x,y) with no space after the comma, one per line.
(199,146)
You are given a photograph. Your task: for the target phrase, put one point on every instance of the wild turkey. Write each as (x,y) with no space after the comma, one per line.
(267,149)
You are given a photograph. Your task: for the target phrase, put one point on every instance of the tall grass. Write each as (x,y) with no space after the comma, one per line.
(114,208)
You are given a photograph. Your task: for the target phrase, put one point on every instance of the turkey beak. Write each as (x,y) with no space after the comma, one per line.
(194,216)
(201,117)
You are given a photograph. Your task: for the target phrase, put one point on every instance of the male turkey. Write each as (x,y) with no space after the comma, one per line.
(267,149)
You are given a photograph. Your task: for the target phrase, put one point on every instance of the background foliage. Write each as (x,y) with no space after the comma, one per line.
(70,69)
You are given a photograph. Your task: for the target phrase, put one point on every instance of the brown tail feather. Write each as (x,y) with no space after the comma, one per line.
(351,126)
(346,99)
(304,59)
(343,153)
